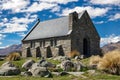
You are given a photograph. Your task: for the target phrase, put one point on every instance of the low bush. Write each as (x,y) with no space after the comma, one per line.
(73,53)
(13,56)
(110,62)
(94,61)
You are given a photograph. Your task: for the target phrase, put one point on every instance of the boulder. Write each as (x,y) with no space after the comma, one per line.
(77,58)
(44,63)
(79,66)
(76,73)
(27,65)
(61,58)
(35,65)
(7,64)
(7,71)
(63,73)
(40,71)
(26,73)
(91,72)
(67,65)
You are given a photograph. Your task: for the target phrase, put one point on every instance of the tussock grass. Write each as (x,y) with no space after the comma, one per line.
(94,60)
(13,56)
(110,62)
(73,53)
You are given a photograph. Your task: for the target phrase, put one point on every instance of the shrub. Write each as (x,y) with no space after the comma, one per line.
(73,53)
(13,56)
(110,62)
(94,61)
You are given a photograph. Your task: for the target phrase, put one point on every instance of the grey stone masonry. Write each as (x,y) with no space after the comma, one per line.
(82,36)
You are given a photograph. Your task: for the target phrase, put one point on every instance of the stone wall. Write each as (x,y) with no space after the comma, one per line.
(83,38)
(63,47)
(83,29)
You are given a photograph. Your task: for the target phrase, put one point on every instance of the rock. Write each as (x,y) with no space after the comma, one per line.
(8,68)
(78,66)
(56,73)
(35,65)
(76,73)
(27,65)
(61,58)
(7,71)
(82,56)
(91,72)
(26,73)
(63,73)
(67,65)
(44,63)
(41,71)
(77,57)
(7,64)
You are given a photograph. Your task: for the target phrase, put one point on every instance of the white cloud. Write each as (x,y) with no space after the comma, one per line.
(22,34)
(35,7)
(106,2)
(5,20)
(50,16)
(93,12)
(100,22)
(14,5)
(59,1)
(17,24)
(110,39)
(2,47)
(2,36)
(55,9)
(10,28)
(115,17)
(0,43)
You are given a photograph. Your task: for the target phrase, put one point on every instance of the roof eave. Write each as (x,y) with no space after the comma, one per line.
(31,30)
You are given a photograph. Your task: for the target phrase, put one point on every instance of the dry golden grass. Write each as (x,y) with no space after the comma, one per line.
(110,62)
(13,56)
(73,53)
(94,60)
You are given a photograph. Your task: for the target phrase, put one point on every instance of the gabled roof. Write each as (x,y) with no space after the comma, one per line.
(51,28)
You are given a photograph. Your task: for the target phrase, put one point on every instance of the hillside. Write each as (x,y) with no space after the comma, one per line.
(111,47)
(106,48)
(9,49)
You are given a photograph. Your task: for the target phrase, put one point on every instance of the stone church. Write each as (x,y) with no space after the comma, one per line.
(61,36)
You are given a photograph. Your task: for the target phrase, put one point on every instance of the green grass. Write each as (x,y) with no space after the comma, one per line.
(67,77)
(98,76)
(85,61)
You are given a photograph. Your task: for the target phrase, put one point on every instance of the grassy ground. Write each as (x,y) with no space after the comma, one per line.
(67,77)
(86,76)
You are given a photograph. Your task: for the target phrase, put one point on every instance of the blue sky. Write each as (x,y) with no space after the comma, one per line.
(18,16)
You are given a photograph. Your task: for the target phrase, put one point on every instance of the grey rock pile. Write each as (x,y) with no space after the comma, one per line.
(8,69)
(39,68)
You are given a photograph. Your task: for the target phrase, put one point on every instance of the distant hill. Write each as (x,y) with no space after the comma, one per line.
(106,48)
(111,47)
(7,50)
